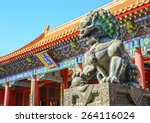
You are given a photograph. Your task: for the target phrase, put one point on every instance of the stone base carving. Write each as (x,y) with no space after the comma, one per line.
(106,94)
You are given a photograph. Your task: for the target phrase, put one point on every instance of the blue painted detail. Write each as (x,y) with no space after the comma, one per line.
(141,41)
(47,59)
(29,73)
(147,48)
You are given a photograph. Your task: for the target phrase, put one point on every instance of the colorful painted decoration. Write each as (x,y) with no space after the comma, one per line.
(129,24)
(145,49)
(135,27)
(74,48)
(61,65)
(22,84)
(145,41)
(137,42)
(46,59)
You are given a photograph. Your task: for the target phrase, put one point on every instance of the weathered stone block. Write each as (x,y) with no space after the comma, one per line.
(106,94)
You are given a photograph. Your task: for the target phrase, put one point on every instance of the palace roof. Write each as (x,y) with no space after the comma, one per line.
(60,34)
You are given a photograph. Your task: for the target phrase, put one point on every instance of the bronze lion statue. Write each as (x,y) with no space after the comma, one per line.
(107,57)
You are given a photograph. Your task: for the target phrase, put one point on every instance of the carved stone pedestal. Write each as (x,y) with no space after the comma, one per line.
(106,94)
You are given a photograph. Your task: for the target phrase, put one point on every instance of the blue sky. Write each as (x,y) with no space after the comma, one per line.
(21,21)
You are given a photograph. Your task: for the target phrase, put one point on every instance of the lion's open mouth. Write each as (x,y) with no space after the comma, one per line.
(89,33)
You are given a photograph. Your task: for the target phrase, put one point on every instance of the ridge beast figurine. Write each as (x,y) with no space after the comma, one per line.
(106,58)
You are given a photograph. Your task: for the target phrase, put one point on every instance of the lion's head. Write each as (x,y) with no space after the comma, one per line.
(99,23)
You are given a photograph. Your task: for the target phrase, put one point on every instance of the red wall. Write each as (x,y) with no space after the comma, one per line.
(22,96)
(12,98)
(19,97)
(2,96)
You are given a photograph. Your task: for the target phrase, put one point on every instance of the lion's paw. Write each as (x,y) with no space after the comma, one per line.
(110,79)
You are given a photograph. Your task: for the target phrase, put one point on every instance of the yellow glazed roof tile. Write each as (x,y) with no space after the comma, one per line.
(116,7)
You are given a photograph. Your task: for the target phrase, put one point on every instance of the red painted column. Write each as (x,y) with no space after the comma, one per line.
(64,74)
(36,91)
(140,64)
(7,94)
(66,78)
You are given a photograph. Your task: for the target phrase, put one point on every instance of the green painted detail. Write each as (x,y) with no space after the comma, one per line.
(64,64)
